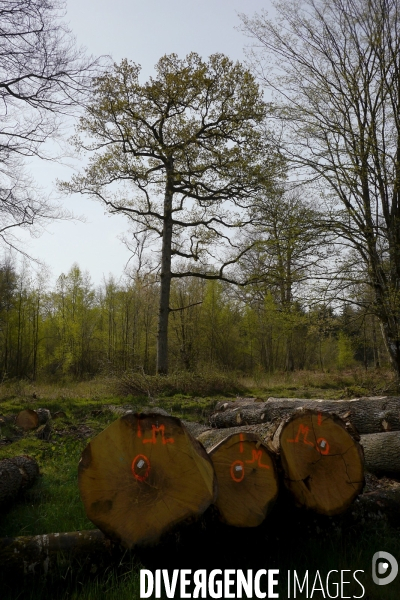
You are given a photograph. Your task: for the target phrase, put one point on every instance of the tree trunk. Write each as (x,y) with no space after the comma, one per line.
(368,415)
(382,503)
(143,475)
(165,281)
(392,343)
(32,554)
(246,476)
(16,474)
(323,465)
(382,453)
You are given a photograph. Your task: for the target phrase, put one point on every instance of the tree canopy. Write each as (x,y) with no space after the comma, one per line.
(335,67)
(182,155)
(42,76)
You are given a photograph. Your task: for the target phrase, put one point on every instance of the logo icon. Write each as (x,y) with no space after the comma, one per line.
(384,563)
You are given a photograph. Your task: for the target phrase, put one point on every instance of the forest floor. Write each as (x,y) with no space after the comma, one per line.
(53,503)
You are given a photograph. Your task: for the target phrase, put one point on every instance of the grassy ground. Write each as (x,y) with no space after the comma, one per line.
(286,541)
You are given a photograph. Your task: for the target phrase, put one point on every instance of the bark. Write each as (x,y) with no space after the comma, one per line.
(28,468)
(165,280)
(265,431)
(367,415)
(382,453)
(11,481)
(246,475)
(16,474)
(379,503)
(143,475)
(33,554)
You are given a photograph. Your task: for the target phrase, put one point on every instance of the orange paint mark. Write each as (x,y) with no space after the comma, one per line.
(322,446)
(237,471)
(303,430)
(140,467)
(319,419)
(241,438)
(139,430)
(153,439)
(256,457)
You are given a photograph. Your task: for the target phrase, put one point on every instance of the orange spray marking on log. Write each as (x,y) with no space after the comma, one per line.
(140,467)
(256,457)
(153,439)
(322,446)
(241,438)
(303,430)
(237,471)
(319,419)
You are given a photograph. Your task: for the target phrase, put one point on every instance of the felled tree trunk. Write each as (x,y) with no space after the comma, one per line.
(246,476)
(29,419)
(382,453)
(32,554)
(381,503)
(143,475)
(322,463)
(368,415)
(16,474)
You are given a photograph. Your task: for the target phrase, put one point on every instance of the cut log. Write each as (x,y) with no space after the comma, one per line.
(246,476)
(368,415)
(142,475)
(322,462)
(16,474)
(382,453)
(32,554)
(10,480)
(196,428)
(60,414)
(29,419)
(28,468)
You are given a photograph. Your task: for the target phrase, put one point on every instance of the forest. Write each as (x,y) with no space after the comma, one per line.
(264,235)
(78,330)
(247,359)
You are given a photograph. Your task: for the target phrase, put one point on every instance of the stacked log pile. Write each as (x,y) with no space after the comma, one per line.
(148,472)
(366,414)
(374,421)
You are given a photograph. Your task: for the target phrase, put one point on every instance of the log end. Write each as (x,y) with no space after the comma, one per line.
(142,475)
(323,463)
(247,479)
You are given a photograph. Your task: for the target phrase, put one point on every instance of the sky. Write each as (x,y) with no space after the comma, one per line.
(141,31)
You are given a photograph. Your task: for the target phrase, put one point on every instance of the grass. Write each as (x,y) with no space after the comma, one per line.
(317,384)
(287,540)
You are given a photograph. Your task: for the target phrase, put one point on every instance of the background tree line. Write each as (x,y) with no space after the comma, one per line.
(79,330)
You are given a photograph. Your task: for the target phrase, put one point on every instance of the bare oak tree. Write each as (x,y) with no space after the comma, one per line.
(42,76)
(188,147)
(335,68)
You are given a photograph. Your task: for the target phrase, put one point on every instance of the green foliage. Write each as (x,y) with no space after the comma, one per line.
(76,331)
(345,356)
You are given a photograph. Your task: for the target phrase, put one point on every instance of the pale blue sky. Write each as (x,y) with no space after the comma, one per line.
(143,32)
